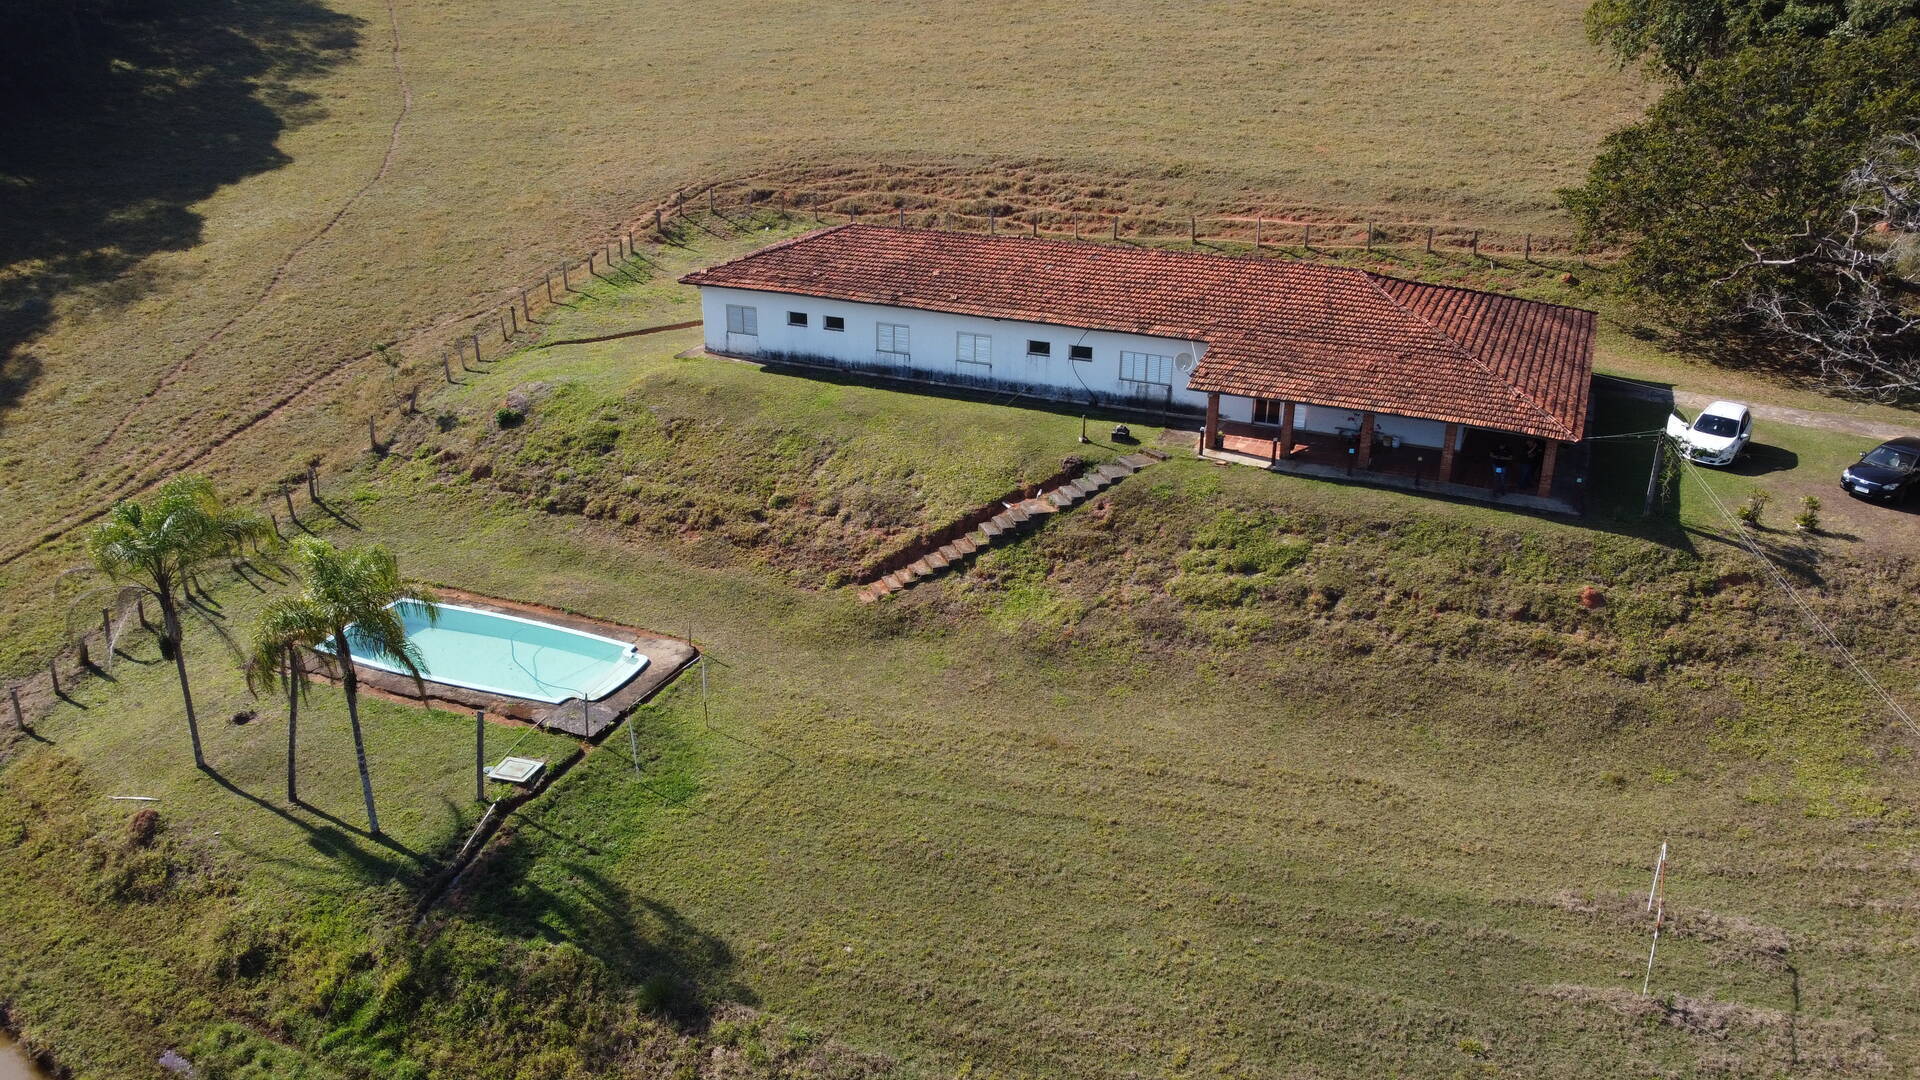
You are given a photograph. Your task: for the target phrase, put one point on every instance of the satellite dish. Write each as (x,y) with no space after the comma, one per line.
(1184,362)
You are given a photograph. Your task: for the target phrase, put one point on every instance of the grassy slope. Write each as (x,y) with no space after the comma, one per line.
(1227,772)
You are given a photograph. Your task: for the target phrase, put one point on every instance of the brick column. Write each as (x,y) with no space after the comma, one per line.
(1446,453)
(1286,430)
(1366,440)
(1547,459)
(1210,437)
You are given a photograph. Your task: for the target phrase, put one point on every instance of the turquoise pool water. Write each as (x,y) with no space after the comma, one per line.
(506,654)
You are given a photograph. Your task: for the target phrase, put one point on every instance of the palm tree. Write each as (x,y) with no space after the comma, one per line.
(157,546)
(288,675)
(356,588)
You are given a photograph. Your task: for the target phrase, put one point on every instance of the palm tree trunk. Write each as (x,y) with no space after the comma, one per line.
(351,684)
(170,625)
(293,718)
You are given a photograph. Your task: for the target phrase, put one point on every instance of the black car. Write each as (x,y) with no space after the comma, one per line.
(1890,471)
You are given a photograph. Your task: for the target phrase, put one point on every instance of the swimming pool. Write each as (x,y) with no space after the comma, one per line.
(510,655)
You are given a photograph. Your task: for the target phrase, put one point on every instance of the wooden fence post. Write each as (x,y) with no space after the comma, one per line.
(1035,224)
(106,629)
(1369,236)
(1429,239)
(1476,242)
(1193,231)
(992,226)
(1256,235)
(313,484)
(566,284)
(446,367)
(549,283)
(1306,237)
(710,206)
(476,347)
(53,673)
(1116,228)
(1529,256)
(903,217)
(513,317)
(526,307)
(373,439)
(656,219)
(504,336)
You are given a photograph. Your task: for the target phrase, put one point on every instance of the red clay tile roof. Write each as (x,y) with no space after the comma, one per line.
(1275,328)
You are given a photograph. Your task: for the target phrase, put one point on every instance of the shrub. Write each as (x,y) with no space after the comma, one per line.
(1808,519)
(1750,511)
(508,418)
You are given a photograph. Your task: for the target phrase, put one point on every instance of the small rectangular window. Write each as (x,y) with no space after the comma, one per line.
(974,351)
(1268,411)
(1039,348)
(832,322)
(1081,352)
(742,320)
(796,318)
(891,338)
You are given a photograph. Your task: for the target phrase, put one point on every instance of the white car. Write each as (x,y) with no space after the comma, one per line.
(1718,436)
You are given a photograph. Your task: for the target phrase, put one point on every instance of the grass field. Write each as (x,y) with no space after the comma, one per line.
(1223,773)
(261,195)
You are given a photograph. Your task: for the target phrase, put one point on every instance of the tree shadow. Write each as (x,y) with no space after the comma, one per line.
(680,970)
(117,123)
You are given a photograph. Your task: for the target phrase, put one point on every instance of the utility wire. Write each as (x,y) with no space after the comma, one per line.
(1780,579)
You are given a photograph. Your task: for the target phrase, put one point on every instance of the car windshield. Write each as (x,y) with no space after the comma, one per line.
(1724,426)
(1890,457)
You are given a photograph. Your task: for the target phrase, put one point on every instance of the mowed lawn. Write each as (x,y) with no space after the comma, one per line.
(175,290)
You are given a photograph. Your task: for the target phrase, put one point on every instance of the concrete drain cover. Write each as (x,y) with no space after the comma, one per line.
(516,770)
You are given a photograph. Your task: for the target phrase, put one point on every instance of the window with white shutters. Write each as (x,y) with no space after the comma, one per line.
(742,319)
(892,338)
(975,352)
(1146,368)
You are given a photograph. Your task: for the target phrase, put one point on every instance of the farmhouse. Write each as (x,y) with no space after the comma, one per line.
(1296,365)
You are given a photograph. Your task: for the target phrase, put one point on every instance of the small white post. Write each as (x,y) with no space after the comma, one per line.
(1656,903)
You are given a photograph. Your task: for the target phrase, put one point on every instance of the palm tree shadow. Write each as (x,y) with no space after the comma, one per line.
(119,122)
(332,839)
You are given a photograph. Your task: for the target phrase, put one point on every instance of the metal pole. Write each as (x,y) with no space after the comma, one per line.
(1653,476)
(479,756)
(633,742)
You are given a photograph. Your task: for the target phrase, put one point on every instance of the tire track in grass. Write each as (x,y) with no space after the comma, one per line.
(279,274)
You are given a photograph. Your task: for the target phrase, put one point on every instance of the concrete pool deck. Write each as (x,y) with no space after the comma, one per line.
(666,657)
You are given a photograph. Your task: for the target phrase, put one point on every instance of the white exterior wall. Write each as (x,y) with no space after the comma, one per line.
(934,345)
(933,342)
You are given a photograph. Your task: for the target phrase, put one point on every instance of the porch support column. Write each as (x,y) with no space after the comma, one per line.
(1446,453)
(1210,438)
(1286,430)
(1366,441)
(1547,459)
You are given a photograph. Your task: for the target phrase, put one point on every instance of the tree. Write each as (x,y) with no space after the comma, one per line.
(157,546)
(345,603)
(287,674)
(1854,309)
(1750,150)
(1673,39)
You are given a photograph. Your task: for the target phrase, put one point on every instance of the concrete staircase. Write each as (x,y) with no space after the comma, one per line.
(1013,520)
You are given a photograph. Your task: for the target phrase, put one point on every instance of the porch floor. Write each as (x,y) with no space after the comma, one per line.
(1410,468)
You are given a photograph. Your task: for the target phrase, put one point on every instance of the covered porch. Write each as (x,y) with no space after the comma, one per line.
(1472,463)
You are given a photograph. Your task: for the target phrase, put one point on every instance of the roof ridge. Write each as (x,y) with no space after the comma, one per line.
(1470,355)
(1378,276)
(777,245)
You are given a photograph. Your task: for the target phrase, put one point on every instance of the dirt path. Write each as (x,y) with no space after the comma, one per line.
(1778,414)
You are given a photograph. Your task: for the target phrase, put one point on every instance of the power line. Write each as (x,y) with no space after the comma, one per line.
(1780,579)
